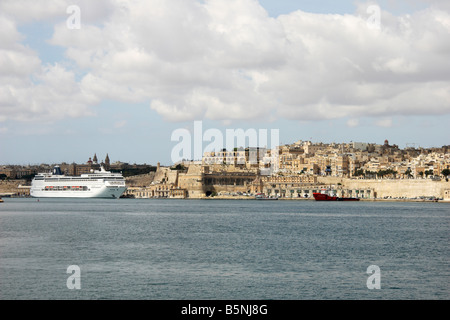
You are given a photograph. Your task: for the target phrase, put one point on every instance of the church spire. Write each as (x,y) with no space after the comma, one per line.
(107,161)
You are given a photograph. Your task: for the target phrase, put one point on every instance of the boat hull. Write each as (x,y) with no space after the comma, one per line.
(347,199)
(326,197)
(101,192)
(97,184)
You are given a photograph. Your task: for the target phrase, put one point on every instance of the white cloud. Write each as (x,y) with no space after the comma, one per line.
(229,60)
(441,4)
(29,10)
(352,123)
(384,122)
(25,11)
(120,124)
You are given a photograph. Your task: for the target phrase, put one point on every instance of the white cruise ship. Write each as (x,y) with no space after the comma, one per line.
(98,184)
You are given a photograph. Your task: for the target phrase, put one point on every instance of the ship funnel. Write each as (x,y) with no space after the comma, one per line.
(57,171)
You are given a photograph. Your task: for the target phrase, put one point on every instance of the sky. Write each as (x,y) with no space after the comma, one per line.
(116,77)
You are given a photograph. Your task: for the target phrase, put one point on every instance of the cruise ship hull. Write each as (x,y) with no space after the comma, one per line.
(102,192)
(97,184)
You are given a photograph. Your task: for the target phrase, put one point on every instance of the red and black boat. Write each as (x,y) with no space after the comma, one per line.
(325,197)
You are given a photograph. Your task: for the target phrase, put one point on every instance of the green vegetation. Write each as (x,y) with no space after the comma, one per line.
(178,167)
(408,173)
(388,172)
(364,173)
(128,172)
(428,173)
(28,177)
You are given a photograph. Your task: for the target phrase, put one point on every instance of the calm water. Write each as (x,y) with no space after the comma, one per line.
(189,249)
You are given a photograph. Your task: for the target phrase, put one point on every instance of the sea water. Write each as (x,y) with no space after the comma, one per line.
(222,249)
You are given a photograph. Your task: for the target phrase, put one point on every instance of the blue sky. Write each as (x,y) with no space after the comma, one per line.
(125,80)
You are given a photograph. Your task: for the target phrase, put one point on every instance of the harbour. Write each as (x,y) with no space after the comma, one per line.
(222,249)
(225,155)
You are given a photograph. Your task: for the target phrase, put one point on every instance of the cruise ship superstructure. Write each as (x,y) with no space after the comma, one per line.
(97,184)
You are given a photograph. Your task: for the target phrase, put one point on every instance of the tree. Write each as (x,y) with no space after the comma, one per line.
(370,174)
(178,167)
(446,173)
(428,173)
(382,173)
(393,173)
(408,173)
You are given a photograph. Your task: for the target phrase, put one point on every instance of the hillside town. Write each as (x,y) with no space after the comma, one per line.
(293,171)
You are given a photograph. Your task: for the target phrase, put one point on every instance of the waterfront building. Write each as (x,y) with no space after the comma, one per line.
(292,169)
(446,195)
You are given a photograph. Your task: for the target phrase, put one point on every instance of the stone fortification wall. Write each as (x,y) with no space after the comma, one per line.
(11,187)
(409,188)
(329,180)
(192,182)
(141,180)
